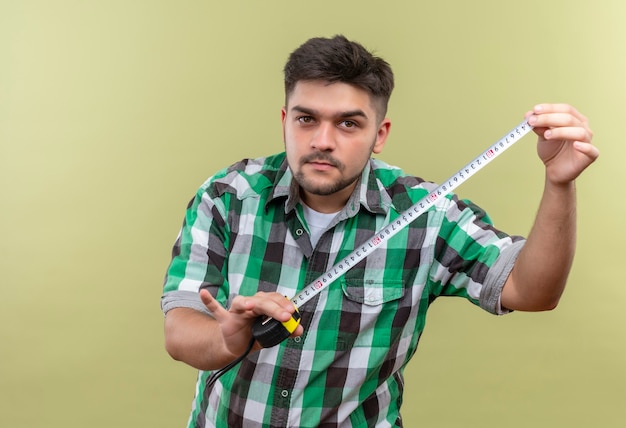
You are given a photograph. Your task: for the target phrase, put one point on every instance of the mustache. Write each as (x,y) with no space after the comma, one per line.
(321,157)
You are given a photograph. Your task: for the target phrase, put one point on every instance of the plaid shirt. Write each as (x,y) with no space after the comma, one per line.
(245,232)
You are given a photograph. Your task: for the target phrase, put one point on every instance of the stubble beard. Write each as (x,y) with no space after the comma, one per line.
(324,189)
(311,185)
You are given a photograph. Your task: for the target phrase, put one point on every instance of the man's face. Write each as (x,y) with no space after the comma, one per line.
(330,132)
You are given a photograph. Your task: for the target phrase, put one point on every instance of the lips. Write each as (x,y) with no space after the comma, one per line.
(319,162)
(321,166)
(322,162)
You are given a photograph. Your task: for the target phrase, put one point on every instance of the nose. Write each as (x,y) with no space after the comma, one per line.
(323,138)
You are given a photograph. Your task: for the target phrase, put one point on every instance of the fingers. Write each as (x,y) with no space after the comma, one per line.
(564,109)
(570,133)
(216,309)
(298,331)
(556,115)
(560,122)
(273,305)
(587,149)
(565,141)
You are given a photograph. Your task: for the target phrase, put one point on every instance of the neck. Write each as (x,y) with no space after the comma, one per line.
(328,203)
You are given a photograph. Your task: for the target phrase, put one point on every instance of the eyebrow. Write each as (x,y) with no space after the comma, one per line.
(342,114)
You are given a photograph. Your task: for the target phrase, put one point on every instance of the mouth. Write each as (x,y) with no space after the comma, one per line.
(321,163)
(321,166)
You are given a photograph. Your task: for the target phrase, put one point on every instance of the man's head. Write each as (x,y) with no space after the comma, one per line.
(340,60)
(333,118)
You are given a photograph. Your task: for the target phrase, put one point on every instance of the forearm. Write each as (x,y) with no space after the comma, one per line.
(195,339)
(540,273)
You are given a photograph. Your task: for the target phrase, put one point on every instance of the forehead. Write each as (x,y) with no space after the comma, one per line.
(329,97)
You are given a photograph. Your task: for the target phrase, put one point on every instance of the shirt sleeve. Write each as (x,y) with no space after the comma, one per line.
(473,259)
(182,299)
(198,256)
(491,291)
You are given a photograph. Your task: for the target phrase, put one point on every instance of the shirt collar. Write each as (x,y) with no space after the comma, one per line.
(369,194)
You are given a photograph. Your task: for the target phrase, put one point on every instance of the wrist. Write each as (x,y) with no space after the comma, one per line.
(559,187)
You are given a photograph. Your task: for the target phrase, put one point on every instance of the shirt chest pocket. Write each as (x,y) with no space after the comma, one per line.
(370,313)
(372,292)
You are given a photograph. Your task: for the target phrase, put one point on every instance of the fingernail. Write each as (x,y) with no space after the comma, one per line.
(547,134)
(538,108)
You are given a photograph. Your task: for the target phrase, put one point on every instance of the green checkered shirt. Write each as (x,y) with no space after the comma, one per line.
(245,232)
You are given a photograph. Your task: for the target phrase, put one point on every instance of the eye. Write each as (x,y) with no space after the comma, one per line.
(305,120)
(348,124)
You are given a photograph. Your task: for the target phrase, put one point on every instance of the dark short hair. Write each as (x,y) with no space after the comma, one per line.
(338,59)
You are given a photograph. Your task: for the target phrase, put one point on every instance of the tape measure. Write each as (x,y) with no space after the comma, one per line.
(270,332)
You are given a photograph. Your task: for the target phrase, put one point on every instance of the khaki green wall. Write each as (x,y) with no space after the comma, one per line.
(113,112)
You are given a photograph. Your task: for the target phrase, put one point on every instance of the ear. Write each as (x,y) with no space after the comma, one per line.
(381,135)
(283,116)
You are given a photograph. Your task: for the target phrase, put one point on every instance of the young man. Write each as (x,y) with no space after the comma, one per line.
(263,229)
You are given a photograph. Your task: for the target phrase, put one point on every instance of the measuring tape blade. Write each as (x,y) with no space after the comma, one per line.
(408,216)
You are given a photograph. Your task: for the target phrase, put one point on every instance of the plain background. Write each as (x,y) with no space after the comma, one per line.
(113,112)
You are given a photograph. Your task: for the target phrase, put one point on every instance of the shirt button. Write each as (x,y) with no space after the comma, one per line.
(297,339)
(299,232)
(284,393)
